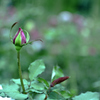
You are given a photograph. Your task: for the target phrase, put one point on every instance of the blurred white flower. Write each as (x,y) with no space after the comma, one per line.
(0,87)
(37,45)
(65,16)
(1,98)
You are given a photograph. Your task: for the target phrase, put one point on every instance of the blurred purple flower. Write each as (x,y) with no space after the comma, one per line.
(53,21)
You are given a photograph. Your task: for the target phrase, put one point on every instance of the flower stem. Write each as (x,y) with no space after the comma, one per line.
(20,72)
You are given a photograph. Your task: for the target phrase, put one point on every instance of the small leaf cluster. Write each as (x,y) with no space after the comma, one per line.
(36,88)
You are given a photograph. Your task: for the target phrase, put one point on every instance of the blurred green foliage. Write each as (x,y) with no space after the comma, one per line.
(70,33)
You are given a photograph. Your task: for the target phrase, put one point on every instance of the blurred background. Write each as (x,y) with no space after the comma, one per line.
(70,30)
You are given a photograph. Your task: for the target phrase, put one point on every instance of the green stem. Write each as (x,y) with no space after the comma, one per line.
(20,72)
(46,96)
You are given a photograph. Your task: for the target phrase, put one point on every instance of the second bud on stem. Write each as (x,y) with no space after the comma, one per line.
(59,80)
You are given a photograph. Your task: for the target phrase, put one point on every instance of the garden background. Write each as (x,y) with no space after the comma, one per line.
(70,30)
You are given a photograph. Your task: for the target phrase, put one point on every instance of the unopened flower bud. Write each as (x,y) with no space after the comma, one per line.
(19,39)
(59,80)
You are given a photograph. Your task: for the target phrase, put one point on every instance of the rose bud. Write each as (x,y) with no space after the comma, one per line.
(59,80)
(19,39)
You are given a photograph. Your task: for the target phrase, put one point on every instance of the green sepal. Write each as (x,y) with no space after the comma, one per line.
(27,43)
(27,36)
(18,40)
(11,30)
(18,48)
(32,42)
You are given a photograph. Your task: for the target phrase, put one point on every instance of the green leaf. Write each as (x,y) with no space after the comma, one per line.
(17,81)
(36,85)
(10,88)
(1,90)
(87,96)
(17,95)
(56,73)
(33,90)
(55,96)
(2,94)
(12,91)
(35,69)
(65,94)
(45,83)
(58,87)
(39,97)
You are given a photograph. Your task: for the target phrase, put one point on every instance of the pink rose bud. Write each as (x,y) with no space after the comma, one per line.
(59,80)
(19,38)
